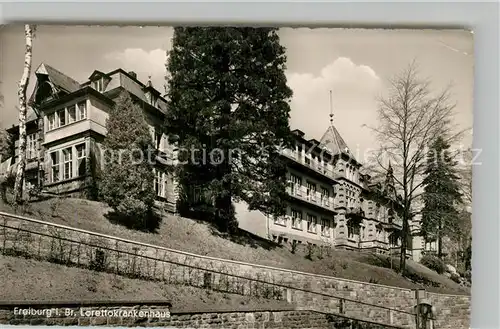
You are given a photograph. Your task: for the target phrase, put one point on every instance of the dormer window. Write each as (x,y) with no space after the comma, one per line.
(150,93)
(99,81)
(99,85)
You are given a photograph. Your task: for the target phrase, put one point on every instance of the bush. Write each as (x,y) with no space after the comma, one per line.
(434,263)
(127,175)
(455,277)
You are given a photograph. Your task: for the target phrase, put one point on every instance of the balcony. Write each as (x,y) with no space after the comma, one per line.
(355,212)
(311,197)
(314,166)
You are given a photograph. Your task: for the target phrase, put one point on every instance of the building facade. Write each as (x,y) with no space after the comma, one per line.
(332,202)
(67,125)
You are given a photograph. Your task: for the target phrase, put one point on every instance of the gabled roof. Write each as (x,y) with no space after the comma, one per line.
(334,143)
(97,74)
(59,79)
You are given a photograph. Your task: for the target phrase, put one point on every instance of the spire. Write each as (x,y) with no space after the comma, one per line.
(331,139)
(149,83)
(331,109)
(389,182)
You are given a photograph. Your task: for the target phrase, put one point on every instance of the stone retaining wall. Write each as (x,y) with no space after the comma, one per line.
(377,303)
(158,315)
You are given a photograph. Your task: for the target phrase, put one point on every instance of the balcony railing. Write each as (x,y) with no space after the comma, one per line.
(311,196)
(312,164)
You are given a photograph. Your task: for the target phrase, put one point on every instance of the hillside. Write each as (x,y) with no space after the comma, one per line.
(200,238)
(29,280)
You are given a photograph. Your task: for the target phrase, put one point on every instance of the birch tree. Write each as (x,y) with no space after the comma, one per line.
(411,117)
(21,93)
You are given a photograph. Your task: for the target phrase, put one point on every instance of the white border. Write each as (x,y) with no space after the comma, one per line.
(481,17)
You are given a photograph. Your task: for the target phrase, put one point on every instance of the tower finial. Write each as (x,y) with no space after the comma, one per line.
(331,108)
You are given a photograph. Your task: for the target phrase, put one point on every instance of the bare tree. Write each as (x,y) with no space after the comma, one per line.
(410,118)
(21,93)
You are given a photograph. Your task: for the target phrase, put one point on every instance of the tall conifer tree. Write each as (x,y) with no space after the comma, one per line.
(127,178)
(229,110)
(441,194)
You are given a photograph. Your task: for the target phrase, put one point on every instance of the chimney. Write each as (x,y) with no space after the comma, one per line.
(133,74)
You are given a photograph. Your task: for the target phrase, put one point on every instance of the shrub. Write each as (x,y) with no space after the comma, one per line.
(127,177)
(455,277)
(434,263)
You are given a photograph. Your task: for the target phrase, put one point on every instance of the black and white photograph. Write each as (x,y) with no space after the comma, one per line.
(236,177)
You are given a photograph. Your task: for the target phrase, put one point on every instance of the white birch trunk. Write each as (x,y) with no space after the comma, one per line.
(21,92)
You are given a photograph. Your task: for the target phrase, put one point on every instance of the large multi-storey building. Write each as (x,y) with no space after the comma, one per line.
(330,199)
(332,202)
(67,125)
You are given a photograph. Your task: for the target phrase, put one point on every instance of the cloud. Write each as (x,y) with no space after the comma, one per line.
(354,88)
(144,63)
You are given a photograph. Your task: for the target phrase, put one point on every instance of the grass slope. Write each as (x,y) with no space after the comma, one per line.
(28,280)
(200,238)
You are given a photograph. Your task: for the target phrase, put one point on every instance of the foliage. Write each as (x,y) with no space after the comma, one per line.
(434,263)
(6,145)
(127,178)
(228,96)
(441,194)
(455,277)
(410,118)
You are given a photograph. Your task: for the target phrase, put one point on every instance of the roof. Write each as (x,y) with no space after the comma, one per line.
(334,143)
(59,79)
(30,114)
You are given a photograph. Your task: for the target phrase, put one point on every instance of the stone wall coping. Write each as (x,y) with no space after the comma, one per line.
(236,309)
(81,303)
(207,257)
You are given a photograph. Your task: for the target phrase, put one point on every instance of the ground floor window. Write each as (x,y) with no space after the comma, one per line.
(311,223)
(160,183)
(68,163)
(325,227)
(296,219)
(352,230)
(393,240)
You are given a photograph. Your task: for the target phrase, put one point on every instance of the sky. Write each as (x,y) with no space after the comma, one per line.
(354,63)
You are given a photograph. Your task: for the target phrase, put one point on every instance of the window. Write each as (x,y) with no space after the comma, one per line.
(82,110)
(295,182)
(352,231)
(311,223)
(81,155)
(311,190)
(393,240)
(71,114)
(154,99)
(325,227)
(99,85)
(68,163)
(325,196)
(31,146)
(296,219)
(197,194)
(54,173)
(67,115)
(51,121)
(61,115)
(161,182)
(157,140)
